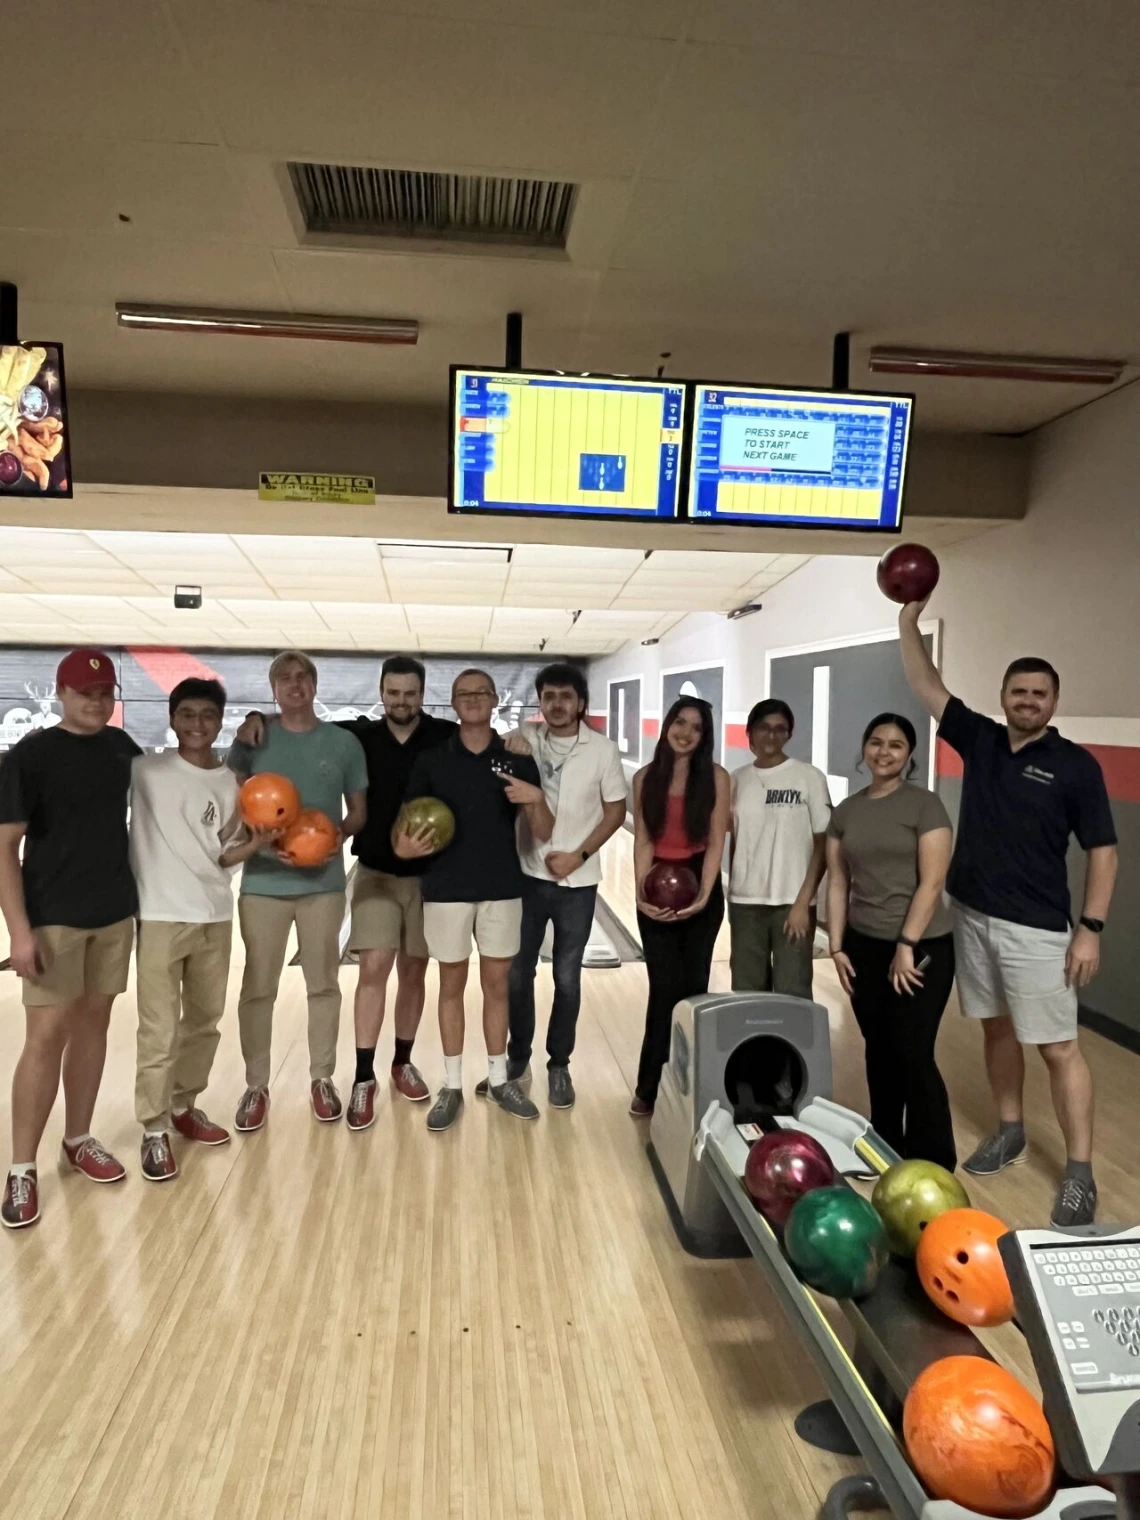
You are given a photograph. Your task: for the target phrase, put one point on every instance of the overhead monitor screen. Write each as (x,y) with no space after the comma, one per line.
(34,444)
(825,459)
(565,445)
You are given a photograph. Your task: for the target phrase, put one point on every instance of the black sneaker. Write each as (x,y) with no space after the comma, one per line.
(517,1071)
(994,1154)
(560,1087)
(1075,1204)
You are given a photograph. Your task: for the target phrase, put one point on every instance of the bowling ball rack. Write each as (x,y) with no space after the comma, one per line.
(897,1333)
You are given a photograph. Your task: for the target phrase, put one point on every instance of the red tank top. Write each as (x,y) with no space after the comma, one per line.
(674,843)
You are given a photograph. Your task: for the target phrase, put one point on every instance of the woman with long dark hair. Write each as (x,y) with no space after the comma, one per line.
(681,806)
(888,851)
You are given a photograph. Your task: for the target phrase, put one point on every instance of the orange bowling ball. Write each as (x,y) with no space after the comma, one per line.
(269,801)
(960,1267)
(977,1437)
(310,839)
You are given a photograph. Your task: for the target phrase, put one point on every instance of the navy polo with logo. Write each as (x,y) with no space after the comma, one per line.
(1019,810)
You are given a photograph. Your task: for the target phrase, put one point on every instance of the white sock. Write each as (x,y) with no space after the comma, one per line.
(76,1140)
(154,1134)
(497,1070)
(453,1067)
(22,1169)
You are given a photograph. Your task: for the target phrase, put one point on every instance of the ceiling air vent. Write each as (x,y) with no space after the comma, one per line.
(344,202)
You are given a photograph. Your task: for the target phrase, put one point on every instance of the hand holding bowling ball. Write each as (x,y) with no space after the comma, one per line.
(909,1195)
(960,1267)
(669,888)
(310,840)
(907,573)
(781,1168)
(977,1437)
(425,826)
(836,1242)
(269,801)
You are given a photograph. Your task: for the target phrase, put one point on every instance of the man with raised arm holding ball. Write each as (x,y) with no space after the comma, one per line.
(1020,963)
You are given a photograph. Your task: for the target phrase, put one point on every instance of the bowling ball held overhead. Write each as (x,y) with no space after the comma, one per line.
(907,573)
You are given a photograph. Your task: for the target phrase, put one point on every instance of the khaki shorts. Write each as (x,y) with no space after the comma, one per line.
(80,961)
(495,927)
(387,913)
(1004,967)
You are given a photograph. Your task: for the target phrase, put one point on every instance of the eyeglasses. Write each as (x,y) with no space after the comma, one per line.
(470,696)
(774,732)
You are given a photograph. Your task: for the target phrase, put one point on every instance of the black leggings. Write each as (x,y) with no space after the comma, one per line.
(678,958)
(909,1105)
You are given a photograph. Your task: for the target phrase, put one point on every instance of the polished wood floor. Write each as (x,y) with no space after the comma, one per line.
(496,1322)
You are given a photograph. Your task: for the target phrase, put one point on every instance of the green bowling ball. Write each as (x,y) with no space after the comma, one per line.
(836,1242)
(909,1195)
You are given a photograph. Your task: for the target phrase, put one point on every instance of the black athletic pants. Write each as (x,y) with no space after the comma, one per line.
(678,958)
(909,1105)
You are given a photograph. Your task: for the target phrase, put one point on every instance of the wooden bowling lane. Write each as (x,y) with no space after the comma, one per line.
(494,1322)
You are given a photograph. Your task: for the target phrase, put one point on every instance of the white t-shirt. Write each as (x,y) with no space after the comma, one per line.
(775,813)
(178,813)
(578,775)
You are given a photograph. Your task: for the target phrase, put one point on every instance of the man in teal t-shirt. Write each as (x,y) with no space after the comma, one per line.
(328,768)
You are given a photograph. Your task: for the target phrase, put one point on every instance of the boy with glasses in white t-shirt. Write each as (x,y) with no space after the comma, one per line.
(780,813)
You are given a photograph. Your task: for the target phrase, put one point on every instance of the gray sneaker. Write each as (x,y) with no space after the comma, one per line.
(445,1109)
(517,1071)
(511,1098)
(993,1155)
(560,1087)
(1075,1204)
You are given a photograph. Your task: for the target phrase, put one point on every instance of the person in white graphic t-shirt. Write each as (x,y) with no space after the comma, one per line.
(186,838)
(780,812)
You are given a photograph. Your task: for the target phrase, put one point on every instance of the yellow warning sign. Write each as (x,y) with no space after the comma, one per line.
(309,485)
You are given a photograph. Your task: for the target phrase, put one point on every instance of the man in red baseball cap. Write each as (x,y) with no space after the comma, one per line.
(70,906)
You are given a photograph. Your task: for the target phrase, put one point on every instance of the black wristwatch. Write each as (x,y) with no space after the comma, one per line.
(911,944)
(1095,924)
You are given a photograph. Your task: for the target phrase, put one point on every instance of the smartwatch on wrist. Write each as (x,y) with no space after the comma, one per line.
(1095,924)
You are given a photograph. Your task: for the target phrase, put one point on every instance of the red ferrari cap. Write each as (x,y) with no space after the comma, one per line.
(84,669)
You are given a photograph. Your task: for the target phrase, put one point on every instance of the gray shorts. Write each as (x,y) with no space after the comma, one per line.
(1004,967)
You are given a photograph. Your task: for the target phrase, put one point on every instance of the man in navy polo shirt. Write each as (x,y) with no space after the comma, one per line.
(1025,791)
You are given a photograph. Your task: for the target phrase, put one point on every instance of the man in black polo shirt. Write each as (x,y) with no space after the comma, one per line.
(70,907)
(1020,966)
(474,887)
(387,905)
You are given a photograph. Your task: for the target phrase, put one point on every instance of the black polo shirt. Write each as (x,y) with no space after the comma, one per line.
(389,767)
(481,864)
(1018,813)
(70,790)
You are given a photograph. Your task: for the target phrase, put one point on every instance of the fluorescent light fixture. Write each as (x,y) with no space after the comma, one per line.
(444,554)
(267,324)
(960,366)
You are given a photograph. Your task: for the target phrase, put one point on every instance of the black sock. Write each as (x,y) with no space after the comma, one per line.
(1081,1169)
(365,1070)
(403,1052)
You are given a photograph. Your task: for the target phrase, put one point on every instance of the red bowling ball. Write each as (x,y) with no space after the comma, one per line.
(781,1168)
(671,886)
(907,573)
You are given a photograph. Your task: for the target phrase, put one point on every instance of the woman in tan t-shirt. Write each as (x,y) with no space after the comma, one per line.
(888,851)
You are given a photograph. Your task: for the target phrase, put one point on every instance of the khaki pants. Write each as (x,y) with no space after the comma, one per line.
(265,924)
(181,975)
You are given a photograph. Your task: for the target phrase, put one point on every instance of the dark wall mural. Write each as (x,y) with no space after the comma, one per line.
(348,687)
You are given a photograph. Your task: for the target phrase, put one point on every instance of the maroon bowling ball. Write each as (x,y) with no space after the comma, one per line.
(907,573)
(670,885)
(781,1168)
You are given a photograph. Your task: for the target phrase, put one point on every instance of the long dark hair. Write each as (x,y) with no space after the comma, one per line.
(700,787)
(905,727)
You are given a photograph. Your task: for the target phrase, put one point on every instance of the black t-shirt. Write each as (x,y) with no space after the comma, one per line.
(71,792)
(1018,812)
(481,864)
(389,767)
